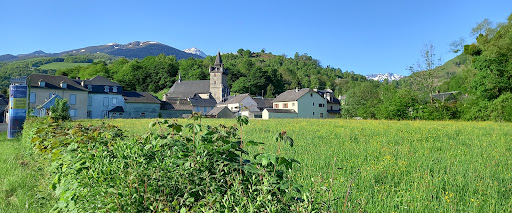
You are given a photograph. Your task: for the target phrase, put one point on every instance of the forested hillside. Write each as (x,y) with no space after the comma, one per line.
(249,72)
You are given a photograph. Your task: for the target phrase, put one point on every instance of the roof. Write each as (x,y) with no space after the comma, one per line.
(332,100)
(218,60)
(445,95)
(281,110)
(292,95)
(203,102)
(100,80)
(264,102)
(237,99)
(176,104)
(186,89)
(117,109)
(50,102)
(139,97)
(217,110)
(53,82)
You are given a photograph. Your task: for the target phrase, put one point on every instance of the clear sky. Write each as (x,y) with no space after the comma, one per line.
(361,36)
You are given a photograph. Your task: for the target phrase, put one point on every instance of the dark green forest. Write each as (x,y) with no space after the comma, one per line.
(480,78)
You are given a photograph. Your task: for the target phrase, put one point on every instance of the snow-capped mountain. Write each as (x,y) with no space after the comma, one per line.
(381,77)
(196,51)
(136,49)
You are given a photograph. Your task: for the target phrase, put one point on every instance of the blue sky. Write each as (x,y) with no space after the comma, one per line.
(361,36)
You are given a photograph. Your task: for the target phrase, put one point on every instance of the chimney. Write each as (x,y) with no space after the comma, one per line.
(328,96)
(77,78)
(83,83)
(42,83)
(63,84)
(296,89)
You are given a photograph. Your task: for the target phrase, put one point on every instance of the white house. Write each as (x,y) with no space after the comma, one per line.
(297,103)
(104,97)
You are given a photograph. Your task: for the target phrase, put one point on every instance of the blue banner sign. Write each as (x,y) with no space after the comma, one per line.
(17,109)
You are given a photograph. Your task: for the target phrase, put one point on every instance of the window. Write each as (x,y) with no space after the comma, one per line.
(72,99)
(313,113)
(293,104)
(32,97)
(89,102)
(321,105)
(106,89)
(72,112)
(89,88)
(88,113)
(321,115)
(313,103)
(331,107)
(114,101)
(276,106)
(105,101)
(204,109)
(197,109)
(114,89)
(214,82)
(285,105)
(142,114)
(311,94)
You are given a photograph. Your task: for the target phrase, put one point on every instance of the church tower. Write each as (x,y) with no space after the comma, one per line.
(218,80)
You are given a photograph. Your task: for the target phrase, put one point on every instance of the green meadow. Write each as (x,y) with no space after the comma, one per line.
(375,166)
(61,65)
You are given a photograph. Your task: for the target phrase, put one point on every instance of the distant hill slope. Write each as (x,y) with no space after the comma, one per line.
(439,75)
(131,50)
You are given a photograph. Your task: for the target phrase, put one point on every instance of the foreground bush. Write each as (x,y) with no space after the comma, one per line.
(173,168)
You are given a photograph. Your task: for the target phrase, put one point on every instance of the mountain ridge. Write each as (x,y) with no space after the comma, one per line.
(131,50)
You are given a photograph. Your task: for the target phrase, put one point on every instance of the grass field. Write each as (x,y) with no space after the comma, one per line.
(392,165)
(21,189)
(61,65)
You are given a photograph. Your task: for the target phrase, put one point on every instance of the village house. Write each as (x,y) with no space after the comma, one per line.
(141,105)
(333,104)
(106,96)
(43,88)
(239,102)
(95,98)
(297,103)
(220,112)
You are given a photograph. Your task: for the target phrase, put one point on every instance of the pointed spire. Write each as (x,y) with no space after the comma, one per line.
(179,78)
(218,60)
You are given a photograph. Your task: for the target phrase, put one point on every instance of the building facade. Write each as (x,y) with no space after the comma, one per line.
(43,87)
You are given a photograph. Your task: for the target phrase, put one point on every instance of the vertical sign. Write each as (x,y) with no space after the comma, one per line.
(17,109)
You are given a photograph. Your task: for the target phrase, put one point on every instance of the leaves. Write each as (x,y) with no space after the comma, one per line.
(97,168)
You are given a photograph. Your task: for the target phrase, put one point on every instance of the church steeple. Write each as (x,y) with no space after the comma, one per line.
(218,80)
(218,60)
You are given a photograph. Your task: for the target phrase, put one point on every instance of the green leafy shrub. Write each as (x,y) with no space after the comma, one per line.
(176,167)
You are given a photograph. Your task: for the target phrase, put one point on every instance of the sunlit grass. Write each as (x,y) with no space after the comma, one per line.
(22,185)
(392,165)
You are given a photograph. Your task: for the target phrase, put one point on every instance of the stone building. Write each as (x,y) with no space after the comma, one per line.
(203,95)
